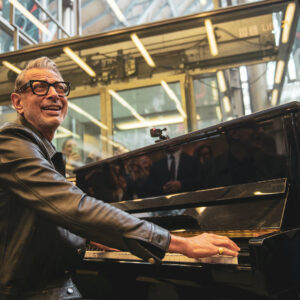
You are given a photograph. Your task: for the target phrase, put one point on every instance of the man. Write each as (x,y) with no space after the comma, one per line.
(175,172)
(43,217)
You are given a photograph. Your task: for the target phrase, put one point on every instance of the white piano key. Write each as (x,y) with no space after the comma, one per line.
(169,257)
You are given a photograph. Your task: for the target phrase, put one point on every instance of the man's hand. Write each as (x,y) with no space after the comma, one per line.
(204,245)
(172,186)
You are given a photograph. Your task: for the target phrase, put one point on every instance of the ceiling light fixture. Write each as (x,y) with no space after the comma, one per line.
(87,115)
(219,113)
(128,106)
(143,50)
(227,105)
(63,132)
(287,22)
(274,97)
(11,67)
(154,122)
(30,16)
(173,97)
(279,71)
(113,143)
(79,61)
(115,8)
(211,38)
(221,81)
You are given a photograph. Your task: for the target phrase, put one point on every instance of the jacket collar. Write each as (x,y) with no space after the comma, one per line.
(49,146)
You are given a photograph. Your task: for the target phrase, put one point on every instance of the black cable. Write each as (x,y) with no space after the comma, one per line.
(236,37)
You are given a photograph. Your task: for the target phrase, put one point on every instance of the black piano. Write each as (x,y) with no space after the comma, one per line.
(240,178)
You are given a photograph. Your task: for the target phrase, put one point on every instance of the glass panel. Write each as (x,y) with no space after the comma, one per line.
(5,9)
(7,113)
(48,29)
(100,18)
(142,108)
(208,108)
(79,137)
(291,88)
(6,42)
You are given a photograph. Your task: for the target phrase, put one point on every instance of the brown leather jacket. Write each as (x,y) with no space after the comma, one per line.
(43,217)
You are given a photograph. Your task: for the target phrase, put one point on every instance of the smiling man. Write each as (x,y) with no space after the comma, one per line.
(44,219)
(42,99)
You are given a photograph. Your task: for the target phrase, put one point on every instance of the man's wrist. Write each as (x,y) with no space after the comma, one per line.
(177,244)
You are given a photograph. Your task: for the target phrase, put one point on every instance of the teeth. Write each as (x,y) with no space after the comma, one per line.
(51,108)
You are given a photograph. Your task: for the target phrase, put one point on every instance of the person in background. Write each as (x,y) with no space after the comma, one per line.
(175,172)
(72,156)
(204,153)
(45,219)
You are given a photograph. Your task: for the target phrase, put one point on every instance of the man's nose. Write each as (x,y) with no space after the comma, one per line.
(52,92)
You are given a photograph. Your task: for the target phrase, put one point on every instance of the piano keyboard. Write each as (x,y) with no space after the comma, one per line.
(169,257)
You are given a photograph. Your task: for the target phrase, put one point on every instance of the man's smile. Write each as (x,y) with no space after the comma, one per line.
(52,107)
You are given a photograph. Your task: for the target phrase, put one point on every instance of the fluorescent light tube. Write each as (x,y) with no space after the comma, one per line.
(115,8)
(274,97)
(10,66)
(227,105)
(279,71)
(153,122)
(87,115)
(79,61)
(221,81)
(128,106)
(219,113)
(143,50)
(211,38)
(63,132)
(287,22)
(173,97)
(113,143)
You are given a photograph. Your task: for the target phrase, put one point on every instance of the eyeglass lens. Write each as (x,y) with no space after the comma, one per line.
(42,88)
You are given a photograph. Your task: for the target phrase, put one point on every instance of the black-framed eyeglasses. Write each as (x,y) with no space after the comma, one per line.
(41,87)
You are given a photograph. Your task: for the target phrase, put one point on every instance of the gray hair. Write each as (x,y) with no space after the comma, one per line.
(43,62)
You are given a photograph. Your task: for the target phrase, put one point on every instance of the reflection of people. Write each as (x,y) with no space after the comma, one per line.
(245,160)
(137,172)
(73,159)
(93,156)
(176,172)
(44,216)
(204,153)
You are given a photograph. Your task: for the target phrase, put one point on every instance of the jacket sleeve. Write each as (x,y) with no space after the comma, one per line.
(27,174)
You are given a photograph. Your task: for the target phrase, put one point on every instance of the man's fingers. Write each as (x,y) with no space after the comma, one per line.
(219,240)
(226,251)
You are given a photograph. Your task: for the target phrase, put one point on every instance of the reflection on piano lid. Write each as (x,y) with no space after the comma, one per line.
(229,233)
(169,258)
(248,189)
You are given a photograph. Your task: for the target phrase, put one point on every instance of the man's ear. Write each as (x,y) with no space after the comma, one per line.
(17,102)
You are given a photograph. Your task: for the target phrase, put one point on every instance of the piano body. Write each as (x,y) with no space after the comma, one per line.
(239,178)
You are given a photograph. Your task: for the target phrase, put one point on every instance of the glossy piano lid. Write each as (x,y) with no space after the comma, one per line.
(262,147)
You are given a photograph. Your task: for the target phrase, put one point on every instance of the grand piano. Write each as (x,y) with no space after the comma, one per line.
(239,178)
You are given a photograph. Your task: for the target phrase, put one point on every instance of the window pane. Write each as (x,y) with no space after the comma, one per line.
(6,42)
(291,91)
(147,107)
(7,113)
(79,137)
(208,108)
